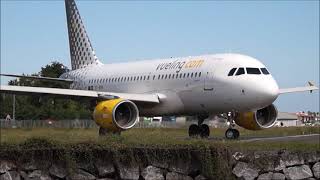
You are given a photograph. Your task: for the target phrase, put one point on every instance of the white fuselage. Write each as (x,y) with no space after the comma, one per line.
(187,85)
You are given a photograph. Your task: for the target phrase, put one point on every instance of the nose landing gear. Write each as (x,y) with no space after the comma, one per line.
(231,132)
(199,129)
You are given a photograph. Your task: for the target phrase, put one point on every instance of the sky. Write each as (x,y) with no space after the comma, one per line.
(284,35)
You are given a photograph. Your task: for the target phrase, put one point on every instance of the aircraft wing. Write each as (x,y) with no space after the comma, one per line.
(25,90)
(310,88)
(39,78)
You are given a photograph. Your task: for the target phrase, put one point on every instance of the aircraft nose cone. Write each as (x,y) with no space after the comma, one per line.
(269,90)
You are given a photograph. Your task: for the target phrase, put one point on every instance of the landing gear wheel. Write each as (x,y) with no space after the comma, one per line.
(193,130)
(232,134)
(103,131)
(237,133)
(204,131)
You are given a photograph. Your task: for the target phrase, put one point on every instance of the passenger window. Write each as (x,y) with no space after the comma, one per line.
(199,74)
(265,71)
(240,71)
(191,75)
(180,75)
(187,75)
(184,75)
(232,71)
(253,71)
(159,76)
(177,75)
(169,76)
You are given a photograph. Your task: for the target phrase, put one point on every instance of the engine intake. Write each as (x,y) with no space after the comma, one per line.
(260,119)
(116,114)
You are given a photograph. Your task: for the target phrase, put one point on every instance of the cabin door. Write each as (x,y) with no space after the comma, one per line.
(208,81)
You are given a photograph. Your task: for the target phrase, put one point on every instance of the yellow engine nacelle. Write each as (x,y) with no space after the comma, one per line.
(260,119)
(116,114)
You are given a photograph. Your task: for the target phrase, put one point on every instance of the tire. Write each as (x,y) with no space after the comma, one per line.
(103,131)
(193,130)
(204,131)
(230,134)
(237,133)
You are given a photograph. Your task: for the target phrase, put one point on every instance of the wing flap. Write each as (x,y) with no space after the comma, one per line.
(152,98)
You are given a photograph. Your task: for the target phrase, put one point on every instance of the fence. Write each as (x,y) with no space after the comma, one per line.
(83,124)
(47,124)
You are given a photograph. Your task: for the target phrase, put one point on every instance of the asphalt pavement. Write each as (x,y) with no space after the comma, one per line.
(312,138)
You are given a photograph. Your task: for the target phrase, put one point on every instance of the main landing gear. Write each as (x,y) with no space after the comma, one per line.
(105,132)
(199,129)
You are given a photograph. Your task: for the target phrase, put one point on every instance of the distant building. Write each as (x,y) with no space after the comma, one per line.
(308,117)
(181,120)
(286,119)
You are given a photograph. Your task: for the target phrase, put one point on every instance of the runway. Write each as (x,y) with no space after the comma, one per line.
(310,138)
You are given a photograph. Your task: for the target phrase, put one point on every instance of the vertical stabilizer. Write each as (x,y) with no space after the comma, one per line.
(81,51)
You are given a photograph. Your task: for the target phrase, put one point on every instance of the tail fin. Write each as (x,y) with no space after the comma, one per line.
(81,51)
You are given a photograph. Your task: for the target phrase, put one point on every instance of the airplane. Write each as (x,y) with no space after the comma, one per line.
(197,85)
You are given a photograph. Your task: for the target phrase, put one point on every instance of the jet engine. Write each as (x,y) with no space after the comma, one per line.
(260,119)
(116,114)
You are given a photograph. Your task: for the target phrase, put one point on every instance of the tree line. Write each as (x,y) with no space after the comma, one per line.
(42,107)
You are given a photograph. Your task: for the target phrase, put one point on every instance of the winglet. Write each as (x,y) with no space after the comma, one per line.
(310,84)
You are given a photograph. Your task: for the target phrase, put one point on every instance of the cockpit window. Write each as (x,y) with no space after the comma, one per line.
(240,71)
(253,71)
(232,71)
(265,71)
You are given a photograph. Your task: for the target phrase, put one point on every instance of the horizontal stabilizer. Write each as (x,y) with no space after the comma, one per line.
(25,90)
(39,78)
(310,88)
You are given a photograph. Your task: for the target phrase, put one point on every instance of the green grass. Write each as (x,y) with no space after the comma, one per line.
(159,137)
